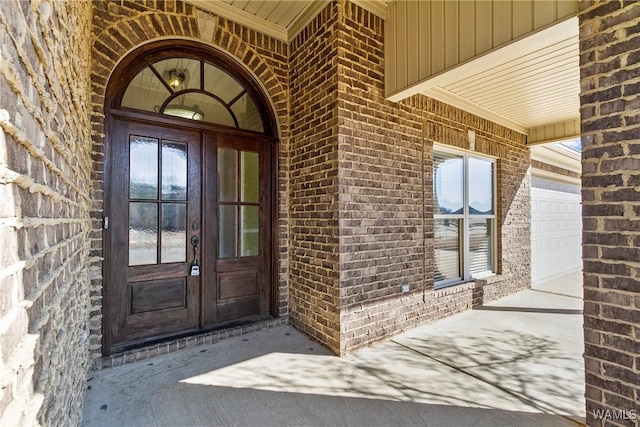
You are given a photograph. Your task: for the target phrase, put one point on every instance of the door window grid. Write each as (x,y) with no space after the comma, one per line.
(463,191)
(238,203)
(157,201)
(193,89)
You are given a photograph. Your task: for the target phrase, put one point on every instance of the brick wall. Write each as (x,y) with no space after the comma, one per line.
(386,200)
(377,162)
(121,26)
(313,278)
(44,210)
(610,88)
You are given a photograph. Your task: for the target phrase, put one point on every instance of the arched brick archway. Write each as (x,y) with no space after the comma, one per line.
(120,29)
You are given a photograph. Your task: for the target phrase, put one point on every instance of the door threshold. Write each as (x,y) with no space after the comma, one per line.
(220,332)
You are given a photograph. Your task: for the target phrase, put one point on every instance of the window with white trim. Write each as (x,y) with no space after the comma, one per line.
(464,202)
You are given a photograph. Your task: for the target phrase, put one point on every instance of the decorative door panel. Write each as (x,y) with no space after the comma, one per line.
(155,212)
(239,196)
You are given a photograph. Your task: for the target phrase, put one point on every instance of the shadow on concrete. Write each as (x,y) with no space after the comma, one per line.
(201,405)
(280,377)
(535,370)
(529,309)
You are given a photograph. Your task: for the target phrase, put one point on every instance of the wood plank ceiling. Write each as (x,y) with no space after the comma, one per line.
(530,85)
(282,19)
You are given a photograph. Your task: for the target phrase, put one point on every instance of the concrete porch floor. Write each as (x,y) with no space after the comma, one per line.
(517,361)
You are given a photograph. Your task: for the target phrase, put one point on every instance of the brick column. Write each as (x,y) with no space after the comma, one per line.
(610,81)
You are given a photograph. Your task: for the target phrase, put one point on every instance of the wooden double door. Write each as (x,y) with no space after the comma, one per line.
(187,232)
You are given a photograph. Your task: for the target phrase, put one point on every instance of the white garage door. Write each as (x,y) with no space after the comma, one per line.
(556,228)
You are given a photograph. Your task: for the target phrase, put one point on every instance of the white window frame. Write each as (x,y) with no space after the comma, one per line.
(463,267)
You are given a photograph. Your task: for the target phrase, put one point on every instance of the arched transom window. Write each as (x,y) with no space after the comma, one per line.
(193,89)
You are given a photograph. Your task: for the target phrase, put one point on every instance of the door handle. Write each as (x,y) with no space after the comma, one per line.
(195,267)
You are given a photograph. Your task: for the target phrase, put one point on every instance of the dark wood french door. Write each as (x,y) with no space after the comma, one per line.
(187,242)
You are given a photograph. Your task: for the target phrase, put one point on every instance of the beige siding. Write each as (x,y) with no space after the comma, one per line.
(428,37)
(554,132)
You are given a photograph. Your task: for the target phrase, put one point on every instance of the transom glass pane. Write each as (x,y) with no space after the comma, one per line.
(220,83)
(143,233)
(447,249)
(145,92)
(174,171)
(199,106)
(143,168)
(177,87)
(480,186)
(180,73)
(247,113)
(448,183)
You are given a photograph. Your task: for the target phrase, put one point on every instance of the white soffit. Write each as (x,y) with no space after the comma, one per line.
(557,155)
(281,19)
(532,82)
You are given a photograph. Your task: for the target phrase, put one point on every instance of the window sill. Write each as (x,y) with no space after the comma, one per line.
(456,287)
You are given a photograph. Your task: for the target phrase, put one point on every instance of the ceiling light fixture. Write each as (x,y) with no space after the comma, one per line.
(177,78)
(184,111)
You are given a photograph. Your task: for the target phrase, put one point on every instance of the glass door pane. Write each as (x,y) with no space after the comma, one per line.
(143,233)
(238,217)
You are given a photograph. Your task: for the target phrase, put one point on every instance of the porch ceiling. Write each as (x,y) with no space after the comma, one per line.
(531,85)
(282,19)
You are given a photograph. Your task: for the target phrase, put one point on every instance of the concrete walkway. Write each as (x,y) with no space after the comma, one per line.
(514,362)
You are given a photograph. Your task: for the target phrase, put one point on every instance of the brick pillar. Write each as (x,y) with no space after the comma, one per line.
(313,245)
(610,71)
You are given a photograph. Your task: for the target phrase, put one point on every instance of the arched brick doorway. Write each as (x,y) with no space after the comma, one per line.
(189,196)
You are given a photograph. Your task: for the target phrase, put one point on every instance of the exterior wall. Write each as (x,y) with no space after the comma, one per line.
(120,27)
(314,251)
(385,195)
(45,171)
(610,65)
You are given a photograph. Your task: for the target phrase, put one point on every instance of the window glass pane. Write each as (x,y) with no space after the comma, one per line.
(480,186)
(227,231)
(249,231)
(448,182)
(145,92)
(174,233)
(199,106)
(247,114)
(479,245)
(174,171)
(220,83)
(250,171)
(447,249)
(143,168)
(143,233)
(228,175)
(180,73)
